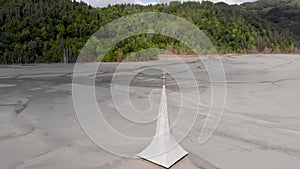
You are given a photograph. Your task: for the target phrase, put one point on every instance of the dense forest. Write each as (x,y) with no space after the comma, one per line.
(47,31)
(283,13)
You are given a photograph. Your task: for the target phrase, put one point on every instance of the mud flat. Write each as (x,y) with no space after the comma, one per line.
(260,127)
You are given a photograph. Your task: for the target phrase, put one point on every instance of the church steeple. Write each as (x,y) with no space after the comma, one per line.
(163,150)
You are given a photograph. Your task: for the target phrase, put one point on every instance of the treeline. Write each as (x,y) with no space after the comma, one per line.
(47,31)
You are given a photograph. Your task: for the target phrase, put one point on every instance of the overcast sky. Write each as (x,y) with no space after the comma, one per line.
(102,3)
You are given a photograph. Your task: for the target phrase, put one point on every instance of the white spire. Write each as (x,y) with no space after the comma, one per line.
(163,150)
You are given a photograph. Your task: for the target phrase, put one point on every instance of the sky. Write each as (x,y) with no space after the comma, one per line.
(103,3)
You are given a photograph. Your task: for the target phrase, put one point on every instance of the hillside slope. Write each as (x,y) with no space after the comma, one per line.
(284,13)
(39,31)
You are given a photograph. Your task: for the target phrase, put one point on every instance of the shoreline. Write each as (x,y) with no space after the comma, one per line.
(161,55)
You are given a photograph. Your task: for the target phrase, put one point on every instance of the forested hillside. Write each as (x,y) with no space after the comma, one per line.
(284,13)
(43,31)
